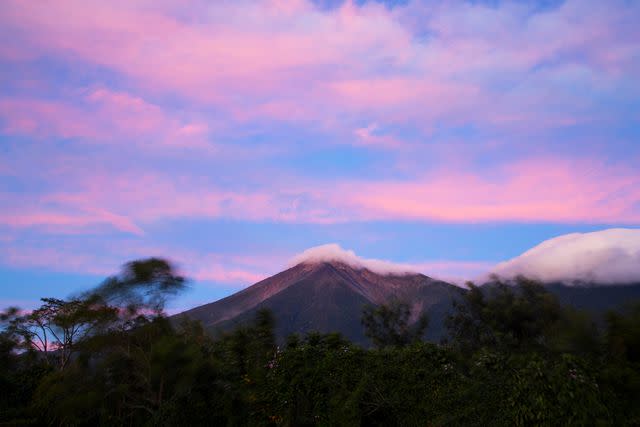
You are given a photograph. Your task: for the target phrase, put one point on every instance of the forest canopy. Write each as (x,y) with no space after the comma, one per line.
(514,356)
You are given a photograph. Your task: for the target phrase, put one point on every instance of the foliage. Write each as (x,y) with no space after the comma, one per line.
(515,357)
(390,325)
(142,286)
(503,318)
(56,327)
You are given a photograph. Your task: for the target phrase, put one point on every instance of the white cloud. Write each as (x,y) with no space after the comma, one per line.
(606,257)
(332,252)
(452,271)
(455,272)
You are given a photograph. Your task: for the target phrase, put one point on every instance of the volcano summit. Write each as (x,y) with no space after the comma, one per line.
(325,291)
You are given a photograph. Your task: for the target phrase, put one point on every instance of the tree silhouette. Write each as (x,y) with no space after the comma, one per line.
(58,326)
(389,325)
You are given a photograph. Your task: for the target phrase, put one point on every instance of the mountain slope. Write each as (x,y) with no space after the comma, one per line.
(595,298)
(328,297)
(236,304)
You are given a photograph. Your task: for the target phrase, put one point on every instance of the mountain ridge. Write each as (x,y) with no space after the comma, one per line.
(327,290)
(328,297)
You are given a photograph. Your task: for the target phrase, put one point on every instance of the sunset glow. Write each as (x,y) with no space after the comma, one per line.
(231,136)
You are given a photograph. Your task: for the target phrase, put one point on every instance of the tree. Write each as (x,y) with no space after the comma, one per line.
(389,325)
(126,300)
(500,315)
(142,288)
(623,334)
(9,340)
(57,326)
(622,372)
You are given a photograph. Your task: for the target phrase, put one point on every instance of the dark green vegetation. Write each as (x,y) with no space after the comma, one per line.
(514,356)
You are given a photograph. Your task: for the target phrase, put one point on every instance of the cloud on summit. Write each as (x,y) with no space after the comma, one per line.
(603,257)
(332,252)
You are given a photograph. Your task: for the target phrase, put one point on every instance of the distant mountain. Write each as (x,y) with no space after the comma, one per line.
(605,257)
(595,271)
(328,296)
(596,298)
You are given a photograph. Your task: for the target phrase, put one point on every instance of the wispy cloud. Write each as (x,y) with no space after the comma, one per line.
(101,116)
(551,190)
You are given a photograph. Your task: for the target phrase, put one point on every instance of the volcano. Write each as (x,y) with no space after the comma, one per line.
(327,287)
(328,296)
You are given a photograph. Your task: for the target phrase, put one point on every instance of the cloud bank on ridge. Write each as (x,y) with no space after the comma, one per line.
(604,257)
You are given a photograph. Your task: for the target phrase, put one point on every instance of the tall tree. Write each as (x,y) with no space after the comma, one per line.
(58,326)
(142,287)
(500,315)
(389,324)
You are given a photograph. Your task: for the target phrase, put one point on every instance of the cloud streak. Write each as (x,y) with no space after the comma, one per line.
(548,190)
(553,190)
(101,116)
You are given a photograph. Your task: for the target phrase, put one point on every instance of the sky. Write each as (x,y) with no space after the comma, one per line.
(229,136)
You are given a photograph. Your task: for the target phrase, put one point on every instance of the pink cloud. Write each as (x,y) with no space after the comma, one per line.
(298,62)
(98,198)
(60,259)
(534,190)
(100,116)
(355,69)
(544,189)
(223,268)
(44,118)
(200,266)
(220,274)
(219,268)
(61,223)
